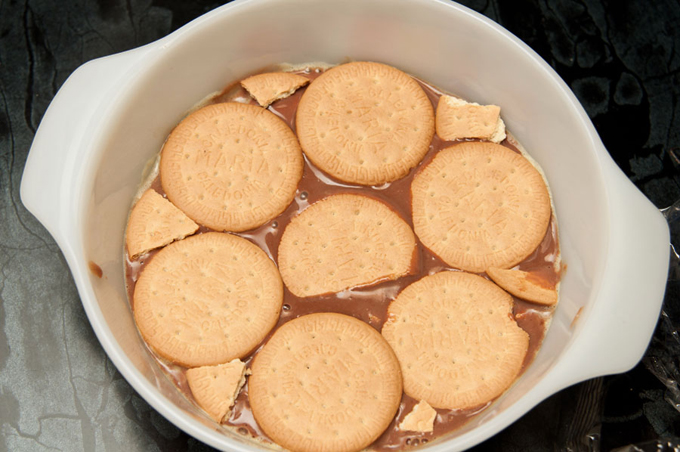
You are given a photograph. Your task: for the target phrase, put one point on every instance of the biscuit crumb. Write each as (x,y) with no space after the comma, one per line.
(420,419)
(457,119)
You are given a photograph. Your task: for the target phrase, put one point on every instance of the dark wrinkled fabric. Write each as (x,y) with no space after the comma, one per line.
(59,391)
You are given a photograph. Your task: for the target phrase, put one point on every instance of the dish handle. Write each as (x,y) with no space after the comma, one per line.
(49,185)
(632,291)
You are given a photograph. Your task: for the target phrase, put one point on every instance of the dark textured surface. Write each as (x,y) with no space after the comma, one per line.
(58,390)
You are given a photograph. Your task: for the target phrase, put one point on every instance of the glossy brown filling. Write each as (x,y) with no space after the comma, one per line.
(366,303)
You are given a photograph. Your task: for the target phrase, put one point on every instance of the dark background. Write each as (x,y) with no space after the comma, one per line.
(59,391)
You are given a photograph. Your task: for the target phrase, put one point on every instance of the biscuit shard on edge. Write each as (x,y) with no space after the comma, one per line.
(272,86)
(524,285)
(420,419)
(215,388)
(344,241)
(457,119)
(155,222)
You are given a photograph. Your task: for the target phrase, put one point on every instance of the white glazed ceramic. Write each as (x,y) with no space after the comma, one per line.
(113,114)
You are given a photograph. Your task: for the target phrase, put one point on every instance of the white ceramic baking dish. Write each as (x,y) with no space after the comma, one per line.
(113,114)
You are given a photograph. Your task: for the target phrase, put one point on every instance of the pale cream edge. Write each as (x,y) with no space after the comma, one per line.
(148,175)
(286,67)
(558,259)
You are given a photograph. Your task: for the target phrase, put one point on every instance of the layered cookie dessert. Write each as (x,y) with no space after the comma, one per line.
(342,258)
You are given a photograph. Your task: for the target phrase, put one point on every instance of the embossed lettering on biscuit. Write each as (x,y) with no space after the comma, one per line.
(325,382)
(365,123)
(344,241)
(479,205)
(231,166)
(457,342)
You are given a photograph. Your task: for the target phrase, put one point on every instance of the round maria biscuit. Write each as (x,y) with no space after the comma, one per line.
(325,382)
(479,205)
(456,340)
(365,123)
(207,299)
(231,166)
(344,241)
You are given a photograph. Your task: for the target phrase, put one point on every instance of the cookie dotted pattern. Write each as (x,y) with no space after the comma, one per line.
(231,166)
(325,382)
(344,241)
(207,299)
(365,123)
(455,339)
(479,205)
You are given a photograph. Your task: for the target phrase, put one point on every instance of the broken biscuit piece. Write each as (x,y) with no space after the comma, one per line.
(215,388)
(420,419)
(155,222)
(272,86)
(457,119)
(524,285)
